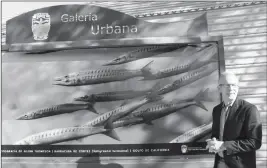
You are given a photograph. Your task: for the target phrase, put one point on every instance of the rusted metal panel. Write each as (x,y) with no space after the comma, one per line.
(264,119)
(250,77)
(263,147)
(237,25)
(245,54)
(252,90)
(239,18)
(244,61)
(212,14)
(254,100)
(242,31)
(252,70)
(261,154)
(261,107)
(245,47)
(253,84)
(264,139)
(245,39)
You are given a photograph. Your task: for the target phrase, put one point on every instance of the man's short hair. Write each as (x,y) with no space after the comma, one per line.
(228,75)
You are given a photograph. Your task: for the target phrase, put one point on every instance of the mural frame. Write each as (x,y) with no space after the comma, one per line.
(120,43)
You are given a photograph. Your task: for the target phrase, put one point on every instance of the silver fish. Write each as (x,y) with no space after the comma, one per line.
(158,111)
(115,96)
(57,109)
(143,53)
(112,96)
(123,110)
(98,76)
(189,78)
(210,52)
(128,121)
(67,134)
(194,134)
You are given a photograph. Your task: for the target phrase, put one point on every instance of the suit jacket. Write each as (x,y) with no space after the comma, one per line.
(242,134)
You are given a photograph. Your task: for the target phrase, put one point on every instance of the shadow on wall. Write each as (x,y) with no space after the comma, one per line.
(93,161)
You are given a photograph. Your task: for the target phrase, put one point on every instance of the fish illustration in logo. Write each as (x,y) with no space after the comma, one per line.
(41,23)
(184,148)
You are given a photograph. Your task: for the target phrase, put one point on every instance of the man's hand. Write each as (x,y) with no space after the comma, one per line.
(218,145)
(210,145)
(214,145)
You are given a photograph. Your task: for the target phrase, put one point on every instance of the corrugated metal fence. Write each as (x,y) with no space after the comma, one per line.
(244,31)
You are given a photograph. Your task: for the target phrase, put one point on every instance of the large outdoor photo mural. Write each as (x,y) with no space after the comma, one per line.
(113,96)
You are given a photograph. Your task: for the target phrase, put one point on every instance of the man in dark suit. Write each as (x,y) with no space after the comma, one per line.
(236,129)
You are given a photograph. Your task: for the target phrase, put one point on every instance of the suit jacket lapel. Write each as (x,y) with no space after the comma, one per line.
(219,112)
(217,119)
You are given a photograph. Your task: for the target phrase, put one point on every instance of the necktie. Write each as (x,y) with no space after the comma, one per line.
(223,117)
(222,121)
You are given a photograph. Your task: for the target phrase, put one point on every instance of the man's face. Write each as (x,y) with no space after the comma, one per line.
(228,86)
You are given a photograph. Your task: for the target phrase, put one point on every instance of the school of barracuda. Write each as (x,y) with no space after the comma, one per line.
(184,67)
(127,114)
(161,110)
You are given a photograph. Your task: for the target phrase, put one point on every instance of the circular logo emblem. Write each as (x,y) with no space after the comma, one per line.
(184,148)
